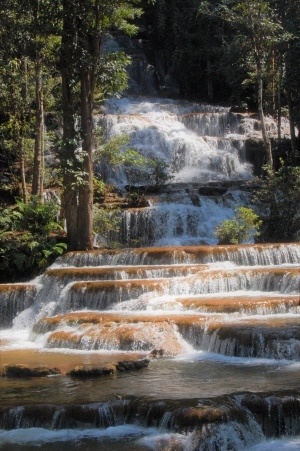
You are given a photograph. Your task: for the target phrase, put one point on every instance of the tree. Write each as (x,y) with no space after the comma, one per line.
(15,95)
(258,25)
(291,23)
(26,42)
(244,226)
(278,200)
(83,64)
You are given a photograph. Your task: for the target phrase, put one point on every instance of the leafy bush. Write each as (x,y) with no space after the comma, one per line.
(278,199)
(116,152)
(22,256)
(160,172)
(25,243)
(244,226)
(137,200)
(100,189)
(107,223)
(34,217)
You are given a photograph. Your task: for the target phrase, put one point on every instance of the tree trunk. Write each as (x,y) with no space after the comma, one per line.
(279,96)
(68,156)
(80,56)
(69,197)
(267,142)
(210,92)
(22,168)
(85,208)
(19,115)
(37,177)
(89,38)
(292,122)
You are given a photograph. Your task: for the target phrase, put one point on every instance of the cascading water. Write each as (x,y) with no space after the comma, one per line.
(219,324)
(199,145)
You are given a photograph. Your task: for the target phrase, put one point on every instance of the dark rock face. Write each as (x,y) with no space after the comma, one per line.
(84,371)
(212,190)
(92,371)
(20,371)
(109,368)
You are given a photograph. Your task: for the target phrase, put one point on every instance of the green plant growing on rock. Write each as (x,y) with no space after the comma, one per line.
(100,189)
(243,227)
(160,172)
(107,223)
(116,152)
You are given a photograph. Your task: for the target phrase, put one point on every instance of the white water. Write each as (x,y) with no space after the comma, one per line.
(201,144)
(159,129)
(277,445)
(153,439)
(176,222)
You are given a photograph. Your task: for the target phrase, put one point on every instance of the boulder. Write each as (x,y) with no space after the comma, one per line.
(92,371)
(19,370)
(109,368)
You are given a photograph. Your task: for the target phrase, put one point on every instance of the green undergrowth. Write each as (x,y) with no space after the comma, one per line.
(31,238)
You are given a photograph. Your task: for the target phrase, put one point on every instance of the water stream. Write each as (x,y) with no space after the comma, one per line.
(219,324)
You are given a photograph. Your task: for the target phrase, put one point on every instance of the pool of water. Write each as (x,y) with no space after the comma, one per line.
(194,375)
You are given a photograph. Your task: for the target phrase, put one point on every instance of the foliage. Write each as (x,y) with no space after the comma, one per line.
(279,200)
(160,172)
(34,217)
(100,189)
(26,246)
(112,74)
(22,256)
(115,152)
(106,222)
(137,200)
(244,226)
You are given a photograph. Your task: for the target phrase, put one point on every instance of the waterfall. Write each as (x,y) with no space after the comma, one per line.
(217,325)
(14,299)
(200,143)
(182,223)
(200,148)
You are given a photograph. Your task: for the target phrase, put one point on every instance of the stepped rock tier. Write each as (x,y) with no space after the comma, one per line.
(213,330)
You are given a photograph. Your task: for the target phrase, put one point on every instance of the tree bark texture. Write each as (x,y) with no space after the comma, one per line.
(266,139)
(37,176)
(85,207)
(70,195)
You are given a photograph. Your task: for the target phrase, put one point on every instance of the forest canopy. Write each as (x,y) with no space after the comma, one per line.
(56,66)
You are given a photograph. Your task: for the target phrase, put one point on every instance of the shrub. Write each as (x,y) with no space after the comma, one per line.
(22,256)
(244,226)
(107,223)
(25,243)
(278,199)
(34,217)
(137,200)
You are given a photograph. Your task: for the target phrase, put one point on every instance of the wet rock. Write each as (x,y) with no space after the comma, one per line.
(212,190)
(131,365)
(109,368)
(92,371)
(19,370)
(156,353)
(195,201)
